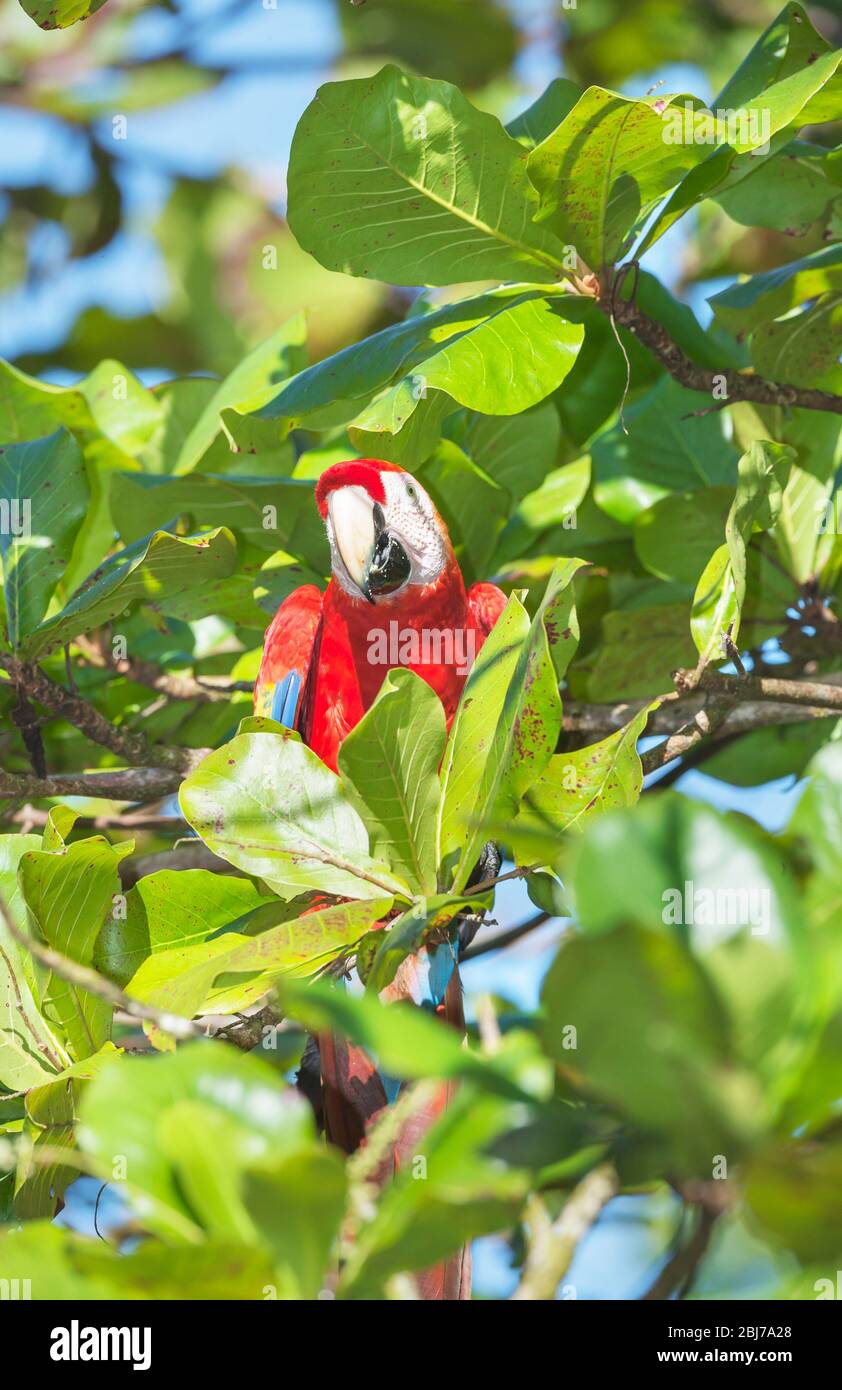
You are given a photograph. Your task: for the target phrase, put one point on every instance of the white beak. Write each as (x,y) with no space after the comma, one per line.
(351,515)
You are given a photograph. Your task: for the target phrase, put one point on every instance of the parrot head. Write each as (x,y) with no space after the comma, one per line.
(384,531)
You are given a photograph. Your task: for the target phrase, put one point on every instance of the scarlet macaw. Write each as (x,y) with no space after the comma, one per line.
(392,563)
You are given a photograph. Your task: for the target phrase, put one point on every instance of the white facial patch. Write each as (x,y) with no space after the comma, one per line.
(411,518)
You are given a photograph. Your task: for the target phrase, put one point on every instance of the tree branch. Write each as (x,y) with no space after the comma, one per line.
(130,745)
(505,938)
(739,385)
(117,784)
(175,687)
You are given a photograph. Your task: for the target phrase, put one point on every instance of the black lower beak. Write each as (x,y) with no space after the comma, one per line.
(389,569)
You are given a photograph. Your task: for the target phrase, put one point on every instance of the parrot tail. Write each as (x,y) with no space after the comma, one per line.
(354,1092)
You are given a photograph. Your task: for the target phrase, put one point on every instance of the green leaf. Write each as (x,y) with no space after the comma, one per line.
(803,348)
(540,119)
(44,1256)
(778,84)
(721,590)
(43,497)
(664,451)
(407,934)
(795,190)
(60,14)
(389,764)
(30,1052)
(651,1038)
(375,189)
(333,391)
(261,510)
(52,1112)
(226,973)
(672,538)
(474,369)
(407,1042)
(171,1175)
(166,566)
(169,909)
(601,171)
(215,1271)
(298,1205)
(508,720)
(789,43)
(516,451)
(270,807)
(249,386)
(640,649)
(471,504)
(795,1191)
(578,786)
(554,503)
(70,893)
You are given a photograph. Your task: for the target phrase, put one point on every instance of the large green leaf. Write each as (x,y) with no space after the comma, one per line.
(249,386)
(516,451)
(651,1037)
(181,979)
(198,1119)
(169,909)
(803,348)
(787,79)
(167,566)
(471,504)
(403,381)
(43,497)
(575,788)
(672,538)
(376,187)
(601,171)
(501,366)
(389,764)
(774,293)
(667,449)
(69,893)
(639,650)
(508,721)
(268,805)
(262,510)
(795,190)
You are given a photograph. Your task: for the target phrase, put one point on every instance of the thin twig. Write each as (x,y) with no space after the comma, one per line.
(552,1244)
(678,1272)
(83,977)
(505,938)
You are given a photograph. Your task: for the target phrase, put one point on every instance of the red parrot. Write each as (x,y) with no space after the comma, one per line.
(395,584)
(395,575)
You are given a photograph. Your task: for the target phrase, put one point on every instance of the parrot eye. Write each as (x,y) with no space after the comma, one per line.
(411,493)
